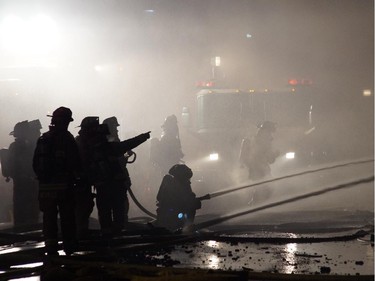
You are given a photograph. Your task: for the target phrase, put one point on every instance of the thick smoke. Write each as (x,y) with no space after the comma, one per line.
(140,61)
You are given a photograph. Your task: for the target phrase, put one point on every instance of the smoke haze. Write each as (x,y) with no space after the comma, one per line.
(140,61)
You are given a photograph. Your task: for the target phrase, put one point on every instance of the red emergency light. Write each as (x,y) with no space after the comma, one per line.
(205,84)
(295,82)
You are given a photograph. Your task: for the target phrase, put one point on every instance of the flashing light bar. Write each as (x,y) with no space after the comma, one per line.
(296,82)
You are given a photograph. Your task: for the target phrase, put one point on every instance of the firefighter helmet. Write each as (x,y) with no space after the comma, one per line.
(111,122)
(20,129)
(181,171)
(89,122)
(62,113)
(35,125)
(170,121)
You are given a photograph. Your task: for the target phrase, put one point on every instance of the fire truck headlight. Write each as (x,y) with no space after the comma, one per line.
(290,155)
(214,157)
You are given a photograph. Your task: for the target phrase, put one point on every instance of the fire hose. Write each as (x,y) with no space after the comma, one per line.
(130,191)
(224,192)
(286,201)
(139,205)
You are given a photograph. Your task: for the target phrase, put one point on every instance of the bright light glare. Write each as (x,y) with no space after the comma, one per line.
(214,156)
(290,155)
(213,244)
(213,261)
(10,250)
(98,68)
(11,31)
(31,278)
(217,61)
(366,93)
(36,35)
(290,250)
(28,265)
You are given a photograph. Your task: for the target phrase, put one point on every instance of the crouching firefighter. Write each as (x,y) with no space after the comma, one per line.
(176,202)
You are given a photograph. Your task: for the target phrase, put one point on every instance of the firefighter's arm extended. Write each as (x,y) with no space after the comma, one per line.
(129,144)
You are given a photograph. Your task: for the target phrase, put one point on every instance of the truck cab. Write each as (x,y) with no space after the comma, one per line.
(224,117)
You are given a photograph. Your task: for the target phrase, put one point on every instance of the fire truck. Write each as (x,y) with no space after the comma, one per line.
(222,117)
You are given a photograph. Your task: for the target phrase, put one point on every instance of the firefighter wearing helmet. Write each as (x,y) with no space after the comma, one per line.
(103,170)
(122,185)
(167,151)
(257,154)
(57,165)
(176,202)
(87,135)
(17,165)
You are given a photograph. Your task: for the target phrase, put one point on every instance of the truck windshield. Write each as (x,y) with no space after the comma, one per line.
(238,110)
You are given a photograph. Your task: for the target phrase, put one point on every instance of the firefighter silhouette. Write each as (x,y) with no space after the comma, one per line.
(108,177)
(167,151)
(84,189)
(57,165)
(34,133)
(17,165)
(121,186)
(176,202)
(257,154)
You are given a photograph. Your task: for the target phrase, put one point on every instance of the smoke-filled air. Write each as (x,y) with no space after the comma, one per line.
(300,70)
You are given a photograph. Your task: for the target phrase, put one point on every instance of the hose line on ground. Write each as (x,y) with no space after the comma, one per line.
(139,204)
(282,202)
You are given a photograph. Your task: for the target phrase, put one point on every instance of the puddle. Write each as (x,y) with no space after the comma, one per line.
(337,258)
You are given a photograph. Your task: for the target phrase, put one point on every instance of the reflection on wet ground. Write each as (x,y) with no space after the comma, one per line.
(337,258)
(328,247)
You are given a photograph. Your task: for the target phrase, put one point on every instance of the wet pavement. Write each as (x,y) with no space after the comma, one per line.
(355,257)
(314,249)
